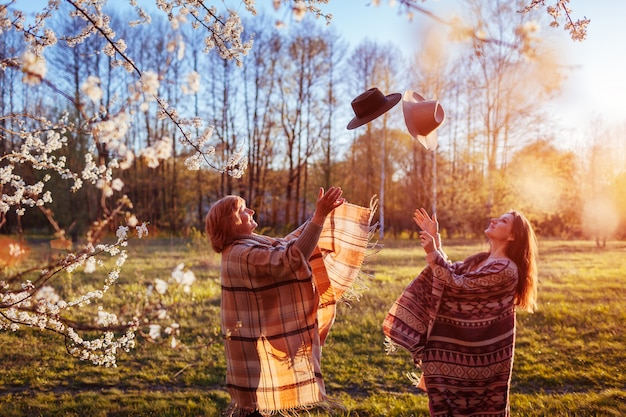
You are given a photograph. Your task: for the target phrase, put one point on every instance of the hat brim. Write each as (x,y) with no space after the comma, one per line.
(418,120)
(429,142)
(412,121)
(409,99)
(392,100)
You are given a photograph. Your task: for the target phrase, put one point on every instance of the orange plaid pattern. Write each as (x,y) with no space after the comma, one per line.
(278,307)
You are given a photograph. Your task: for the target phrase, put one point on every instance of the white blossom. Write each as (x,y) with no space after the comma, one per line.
(117,184)
(183,277)
(193,83)
(142,230)
(90,265)
(122,232)
(105,187)
(155,331)
(132,221)
(105,319)
(92,89)
(160,286)
(33,67)
(150,83)
(111,130)
(299,10)
(16,250)
(160,150)
(150,156)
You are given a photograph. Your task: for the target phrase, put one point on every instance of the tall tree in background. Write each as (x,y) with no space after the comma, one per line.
(508,92)
(260,75)
(335,52)
(198,71)
(304,66)
(363,154)
(431,72)
(71,67)
(374,66)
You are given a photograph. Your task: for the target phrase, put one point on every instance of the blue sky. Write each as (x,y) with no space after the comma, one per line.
(595,86)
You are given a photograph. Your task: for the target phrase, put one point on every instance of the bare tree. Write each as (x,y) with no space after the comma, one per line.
(375,66)
(304,63)
(507,94)
(260,95)
(335,53)
(432,74)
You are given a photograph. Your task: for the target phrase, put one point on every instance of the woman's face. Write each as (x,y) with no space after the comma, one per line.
(500,228)
(247,224)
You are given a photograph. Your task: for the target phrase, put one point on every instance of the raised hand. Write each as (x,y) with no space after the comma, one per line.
(327,202)
(425,222)
(427,241)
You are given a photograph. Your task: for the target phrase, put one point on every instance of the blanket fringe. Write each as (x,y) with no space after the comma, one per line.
(360,283)
(417,381)
(390,346)
(328,405)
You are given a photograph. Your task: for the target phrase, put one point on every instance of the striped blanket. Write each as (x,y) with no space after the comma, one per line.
(276,314)
(461,330)
(412,316)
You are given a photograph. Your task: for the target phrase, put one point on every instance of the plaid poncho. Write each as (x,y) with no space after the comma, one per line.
(278,305)
(459,324)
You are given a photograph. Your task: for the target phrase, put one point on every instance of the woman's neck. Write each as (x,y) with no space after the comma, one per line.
(497,251)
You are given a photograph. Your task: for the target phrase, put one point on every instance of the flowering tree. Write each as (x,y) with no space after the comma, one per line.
(558,10)
(32,146)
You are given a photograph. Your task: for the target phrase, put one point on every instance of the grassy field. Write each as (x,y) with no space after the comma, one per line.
(570,357)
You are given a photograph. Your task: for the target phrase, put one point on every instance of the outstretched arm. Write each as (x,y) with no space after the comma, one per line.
(326,202)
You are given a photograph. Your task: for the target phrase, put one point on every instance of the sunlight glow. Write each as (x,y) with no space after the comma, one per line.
(600,218)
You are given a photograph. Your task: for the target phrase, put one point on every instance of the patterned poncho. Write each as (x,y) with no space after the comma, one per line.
(459,325)
(278,306)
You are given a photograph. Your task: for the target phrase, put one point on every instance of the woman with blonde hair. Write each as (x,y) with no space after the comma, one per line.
(457,320)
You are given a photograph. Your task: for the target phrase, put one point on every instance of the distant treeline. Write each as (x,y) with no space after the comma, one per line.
(288,107)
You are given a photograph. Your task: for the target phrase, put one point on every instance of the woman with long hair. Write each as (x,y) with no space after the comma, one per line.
(458,319)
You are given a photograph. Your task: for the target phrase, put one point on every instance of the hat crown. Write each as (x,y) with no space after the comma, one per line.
(422,117)
(369,105)
(368,102)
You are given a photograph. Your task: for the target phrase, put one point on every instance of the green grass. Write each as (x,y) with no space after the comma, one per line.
(569,360)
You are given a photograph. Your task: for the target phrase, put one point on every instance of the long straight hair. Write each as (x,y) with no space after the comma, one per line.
(523,251)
